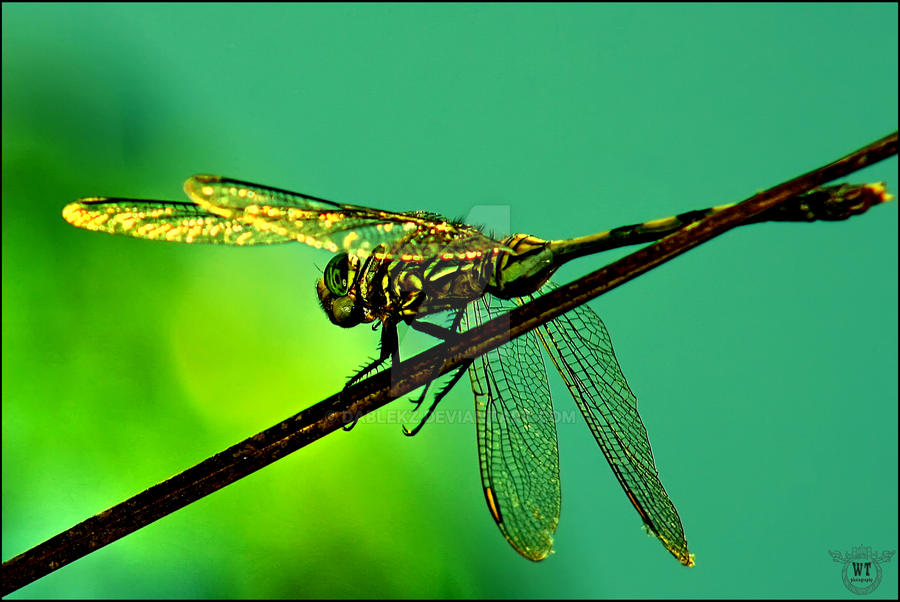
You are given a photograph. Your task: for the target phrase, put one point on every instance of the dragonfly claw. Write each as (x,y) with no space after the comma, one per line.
(410,433)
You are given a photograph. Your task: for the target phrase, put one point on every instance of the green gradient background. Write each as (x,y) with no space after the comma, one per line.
(765,361)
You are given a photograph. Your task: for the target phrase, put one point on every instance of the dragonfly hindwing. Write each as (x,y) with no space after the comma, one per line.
(580,347)
(517,446)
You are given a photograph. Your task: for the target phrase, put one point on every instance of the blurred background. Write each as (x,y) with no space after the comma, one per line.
(765,361)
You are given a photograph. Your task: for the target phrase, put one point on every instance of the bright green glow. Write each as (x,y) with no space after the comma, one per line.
(581,118)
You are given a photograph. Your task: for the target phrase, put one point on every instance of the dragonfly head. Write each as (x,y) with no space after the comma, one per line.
(334,293)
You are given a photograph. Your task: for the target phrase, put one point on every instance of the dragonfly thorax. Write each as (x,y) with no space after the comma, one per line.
(354,290)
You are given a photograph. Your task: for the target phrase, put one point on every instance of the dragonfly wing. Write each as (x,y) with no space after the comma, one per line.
(165,220)
(517,447)
(320,223)
(580,347)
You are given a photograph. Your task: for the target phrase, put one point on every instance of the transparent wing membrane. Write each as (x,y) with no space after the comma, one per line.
(166,221)
(357,230)
(232,212)
(580,347)
(516,430)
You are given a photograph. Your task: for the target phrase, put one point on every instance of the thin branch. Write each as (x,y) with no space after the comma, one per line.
(326,416)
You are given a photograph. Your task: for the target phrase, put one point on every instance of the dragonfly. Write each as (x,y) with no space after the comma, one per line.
(394,268)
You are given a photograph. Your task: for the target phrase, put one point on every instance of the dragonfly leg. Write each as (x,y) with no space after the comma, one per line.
(389,348)
(438,332)
(435,331)
(444,334)
(437,399)
(417,402)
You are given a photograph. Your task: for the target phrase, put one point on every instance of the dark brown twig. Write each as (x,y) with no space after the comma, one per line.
(301,429)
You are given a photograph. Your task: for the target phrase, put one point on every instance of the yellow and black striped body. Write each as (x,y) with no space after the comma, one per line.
(394,289)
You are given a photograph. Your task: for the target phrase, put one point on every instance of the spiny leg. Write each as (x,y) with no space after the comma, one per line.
(389,348)
(444,334)
(437,399)
(438,332)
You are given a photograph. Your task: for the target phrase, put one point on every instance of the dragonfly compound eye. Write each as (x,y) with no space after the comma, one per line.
(337,274)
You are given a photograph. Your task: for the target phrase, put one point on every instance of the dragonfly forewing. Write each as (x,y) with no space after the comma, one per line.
(361,231)
(517,447)
(580,347)
(165,220)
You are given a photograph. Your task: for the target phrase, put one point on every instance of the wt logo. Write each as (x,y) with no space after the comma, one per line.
(862,568)
(858,568)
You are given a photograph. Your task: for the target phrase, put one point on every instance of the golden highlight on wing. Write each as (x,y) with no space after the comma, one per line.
(226,211)
(358,230)
(165,221)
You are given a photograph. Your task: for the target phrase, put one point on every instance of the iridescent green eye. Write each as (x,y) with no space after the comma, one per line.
(336,274)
